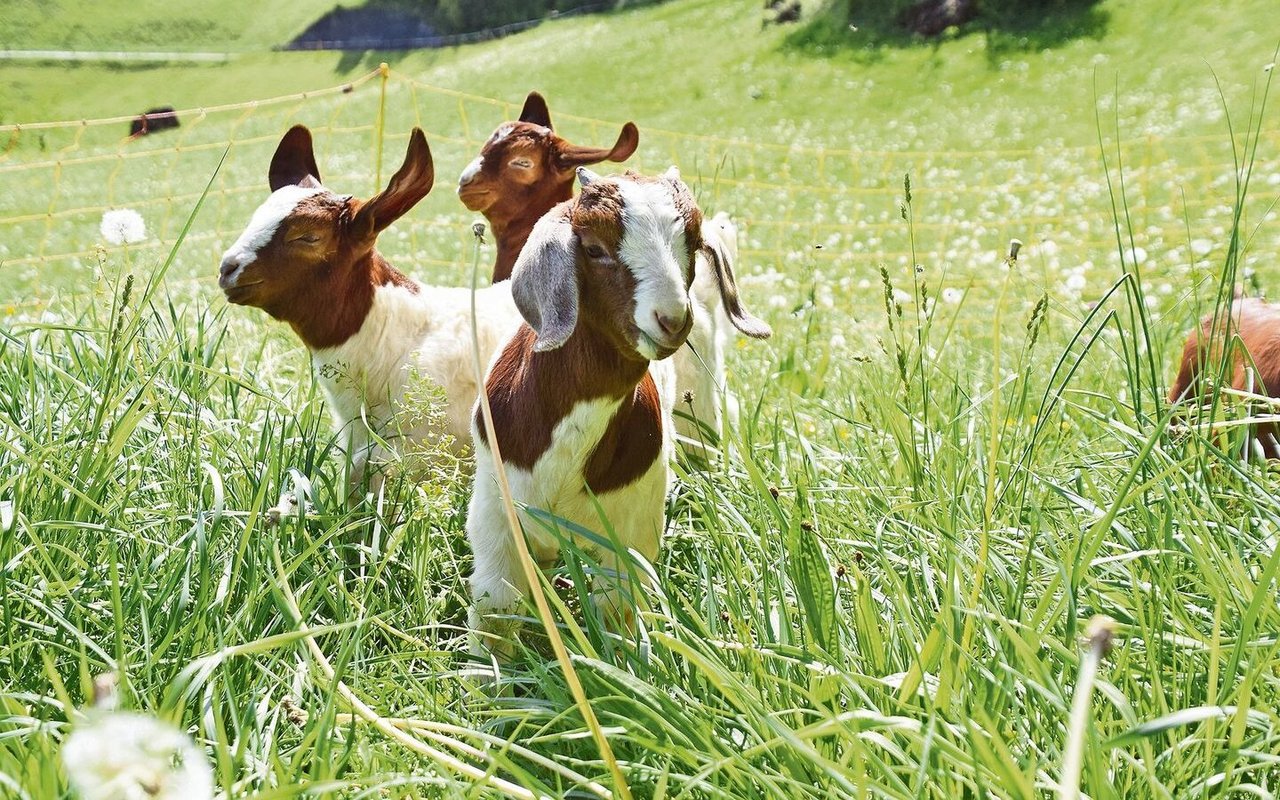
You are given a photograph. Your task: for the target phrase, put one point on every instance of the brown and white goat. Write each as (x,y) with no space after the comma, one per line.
(525,169)
(581,394)
(1252,340)
(308,258)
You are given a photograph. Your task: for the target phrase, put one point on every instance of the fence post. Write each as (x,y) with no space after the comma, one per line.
(385,71)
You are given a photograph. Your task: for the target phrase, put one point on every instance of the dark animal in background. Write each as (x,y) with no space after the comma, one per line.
(932,17)
(784,11)
(156,119)
(1252,334)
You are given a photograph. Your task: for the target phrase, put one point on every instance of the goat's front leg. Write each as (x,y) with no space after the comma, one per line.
(498,582)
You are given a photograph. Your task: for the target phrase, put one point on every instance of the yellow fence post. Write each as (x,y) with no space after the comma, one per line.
(385,71)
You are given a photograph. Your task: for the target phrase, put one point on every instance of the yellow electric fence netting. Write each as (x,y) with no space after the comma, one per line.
(826,215)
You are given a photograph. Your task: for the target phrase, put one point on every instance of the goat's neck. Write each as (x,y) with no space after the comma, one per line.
(329,311)
(511,233)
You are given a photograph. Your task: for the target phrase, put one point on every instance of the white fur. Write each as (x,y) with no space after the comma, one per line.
(703,374)
(653,247)
(555,485)
(427,334)
(471,171)
(263,225)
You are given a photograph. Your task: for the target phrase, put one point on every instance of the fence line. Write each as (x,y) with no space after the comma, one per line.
(801,207)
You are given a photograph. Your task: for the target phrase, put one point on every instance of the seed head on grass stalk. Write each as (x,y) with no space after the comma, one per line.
(1098,639)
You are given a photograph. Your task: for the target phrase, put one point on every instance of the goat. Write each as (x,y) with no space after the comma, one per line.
(308,258)
(153,121)
(524,169)
(1251,342)
(580,394)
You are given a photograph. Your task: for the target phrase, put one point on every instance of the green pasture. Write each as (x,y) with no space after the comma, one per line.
(947,462)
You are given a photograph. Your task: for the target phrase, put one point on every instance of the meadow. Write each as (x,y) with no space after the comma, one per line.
(948,461)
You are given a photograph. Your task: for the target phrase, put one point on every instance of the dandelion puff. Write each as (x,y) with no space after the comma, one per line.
(952,295)
(122,226)
(126,756)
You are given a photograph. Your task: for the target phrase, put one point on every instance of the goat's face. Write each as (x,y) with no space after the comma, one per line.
(525,167)
(618,259)
(290,241)
(305,241)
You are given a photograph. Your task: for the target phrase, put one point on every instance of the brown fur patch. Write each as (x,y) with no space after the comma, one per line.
(513,200)
(324,290)
(1257,324)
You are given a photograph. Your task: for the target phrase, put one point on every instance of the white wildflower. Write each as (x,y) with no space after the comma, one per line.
(1136,255)
(122,226)
(901,298)
(952,295)
(1076,282)
(837,342)
(1201,247)
(127,756)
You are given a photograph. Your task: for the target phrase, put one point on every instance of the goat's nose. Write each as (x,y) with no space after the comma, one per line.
(227,268)
(671,324)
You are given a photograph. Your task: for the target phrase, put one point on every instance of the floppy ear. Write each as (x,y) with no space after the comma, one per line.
(535,110)
(294,163)
(721,265)
(410,184)
(544,281)
(573,155)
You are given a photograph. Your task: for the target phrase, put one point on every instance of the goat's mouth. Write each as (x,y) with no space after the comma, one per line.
(655,349)
(241,293)
(474,198)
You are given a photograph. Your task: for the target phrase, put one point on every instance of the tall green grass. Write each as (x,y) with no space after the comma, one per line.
(879,593)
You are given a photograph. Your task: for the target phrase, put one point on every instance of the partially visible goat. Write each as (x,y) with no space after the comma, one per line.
(1250,338)
(581,418)
(308,258)
(525,169)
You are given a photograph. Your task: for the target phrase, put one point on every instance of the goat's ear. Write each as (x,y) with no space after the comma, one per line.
(721,265)
(410,184)
(573,155)
(294,163)
(535,110)
(544,281)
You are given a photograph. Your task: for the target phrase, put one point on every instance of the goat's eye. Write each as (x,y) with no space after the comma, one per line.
(595,251)
(521,163)
(306,238)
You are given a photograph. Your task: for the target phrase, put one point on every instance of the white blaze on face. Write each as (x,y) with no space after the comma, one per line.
(264,223)
(472,170)
(653,248)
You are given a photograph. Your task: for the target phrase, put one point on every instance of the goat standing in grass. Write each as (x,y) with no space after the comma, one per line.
(580,417)
(525,169)
(308,258)
(1252,340)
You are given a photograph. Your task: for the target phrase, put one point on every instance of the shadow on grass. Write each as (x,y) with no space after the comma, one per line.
(866,31)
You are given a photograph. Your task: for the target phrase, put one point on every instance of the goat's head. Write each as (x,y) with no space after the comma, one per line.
(525,168)
(619,259)
(306,242)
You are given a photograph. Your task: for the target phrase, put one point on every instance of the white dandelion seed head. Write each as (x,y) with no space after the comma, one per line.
(128,756)
(122,226)
(837,341)
(952,295)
